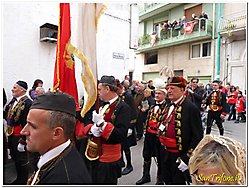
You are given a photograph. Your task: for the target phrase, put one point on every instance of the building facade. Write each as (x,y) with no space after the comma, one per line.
(233,28)
(27,57)
(195,52)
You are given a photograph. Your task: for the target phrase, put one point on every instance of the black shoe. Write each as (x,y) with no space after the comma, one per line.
(122,164)
(159,183)
(236,121)
(127,170)
(144,179)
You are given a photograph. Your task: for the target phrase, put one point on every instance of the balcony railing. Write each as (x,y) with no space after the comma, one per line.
(196,30)
(234,21)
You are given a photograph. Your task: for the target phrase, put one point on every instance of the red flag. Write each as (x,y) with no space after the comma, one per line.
(189,27)
(64,72)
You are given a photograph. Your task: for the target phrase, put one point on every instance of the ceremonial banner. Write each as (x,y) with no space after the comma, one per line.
(189,27)
(64,72)
(153,39)
(88,17)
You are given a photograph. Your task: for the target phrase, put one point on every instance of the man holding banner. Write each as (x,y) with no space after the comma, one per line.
(107,133)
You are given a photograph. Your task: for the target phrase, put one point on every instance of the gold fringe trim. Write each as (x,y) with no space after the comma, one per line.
(91,97)
(58,52)
(99,14)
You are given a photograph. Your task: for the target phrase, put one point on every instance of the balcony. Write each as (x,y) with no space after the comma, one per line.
(233,24)
(176,36)
(153,9)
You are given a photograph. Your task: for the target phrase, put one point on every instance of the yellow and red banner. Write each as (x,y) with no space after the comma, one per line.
(64,72)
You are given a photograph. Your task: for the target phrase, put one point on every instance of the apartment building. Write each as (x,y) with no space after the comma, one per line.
(232,30)
(189,53)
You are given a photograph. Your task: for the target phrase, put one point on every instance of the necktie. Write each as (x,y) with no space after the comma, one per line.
(158,104)
(14,99)
(106,103)
(172,103)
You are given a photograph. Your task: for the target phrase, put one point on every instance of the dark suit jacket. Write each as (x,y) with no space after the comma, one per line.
(128,99)
(69,169)
(197,96)
(19,117)
(121,120)
(191,129)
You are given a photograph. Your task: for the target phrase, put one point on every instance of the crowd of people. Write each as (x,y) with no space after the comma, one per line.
(167,113)
(182,22)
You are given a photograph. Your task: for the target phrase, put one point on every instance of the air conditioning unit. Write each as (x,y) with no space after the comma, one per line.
(48,33)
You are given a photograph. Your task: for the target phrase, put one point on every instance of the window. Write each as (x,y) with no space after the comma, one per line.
(206,49)
(178,72)
(196,50)
(193,10)
(151,58)
(201,50)
(157,29)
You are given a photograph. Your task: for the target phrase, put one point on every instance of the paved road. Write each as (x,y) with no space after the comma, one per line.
(236,131)
(232,130)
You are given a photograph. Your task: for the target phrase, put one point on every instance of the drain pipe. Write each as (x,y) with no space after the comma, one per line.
(218,42)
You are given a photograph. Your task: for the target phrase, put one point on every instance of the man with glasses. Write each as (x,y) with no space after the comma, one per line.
(195,93)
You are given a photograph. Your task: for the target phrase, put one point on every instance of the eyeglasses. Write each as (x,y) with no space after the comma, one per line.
(194,82)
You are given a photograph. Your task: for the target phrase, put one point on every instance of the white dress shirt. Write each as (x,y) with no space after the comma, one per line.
(49,156)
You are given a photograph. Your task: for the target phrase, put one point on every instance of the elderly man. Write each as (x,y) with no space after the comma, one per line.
(151,141)
(179,133)
(39,91)
(50,125)
(138,98)
(16,115)
(109,131)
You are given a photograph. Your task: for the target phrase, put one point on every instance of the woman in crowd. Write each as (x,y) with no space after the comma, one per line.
(218,160)
(37,83)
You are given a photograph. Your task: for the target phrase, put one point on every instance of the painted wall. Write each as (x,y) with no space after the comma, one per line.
(26,58)
(178,58)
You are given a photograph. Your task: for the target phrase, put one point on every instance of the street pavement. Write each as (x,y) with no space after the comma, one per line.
(236,131)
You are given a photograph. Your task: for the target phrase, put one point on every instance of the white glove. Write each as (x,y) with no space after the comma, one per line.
(129,132)
(95,130)
(190,90)
(182,166)
(97,118)
(21,147)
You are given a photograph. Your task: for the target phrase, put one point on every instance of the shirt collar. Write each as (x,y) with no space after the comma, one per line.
(52,153)
(178,100)
(18,98)
(160,102)
(113,100)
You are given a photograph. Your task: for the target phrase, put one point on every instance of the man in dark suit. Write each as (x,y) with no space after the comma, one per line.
(195,93)
(108,132)
(179,133)
(50,125)
(217,108)
(16,115)
(151,141)
(138,98)
(130,141)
